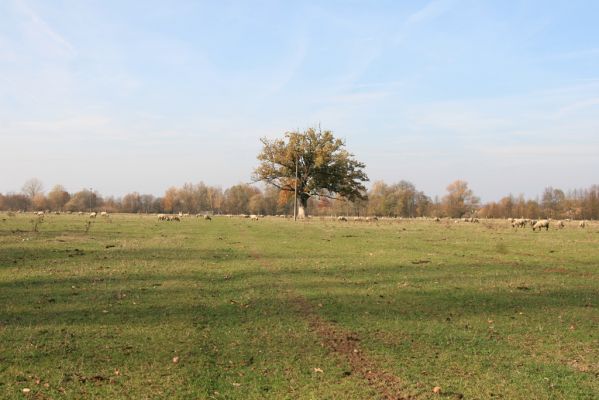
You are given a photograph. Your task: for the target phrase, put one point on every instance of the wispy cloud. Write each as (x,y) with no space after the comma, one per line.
(591,52)
(430,11)
(40,28)
(288,69)
(578,106)
(542,151)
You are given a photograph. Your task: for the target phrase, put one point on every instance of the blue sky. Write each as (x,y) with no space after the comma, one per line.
(138,96)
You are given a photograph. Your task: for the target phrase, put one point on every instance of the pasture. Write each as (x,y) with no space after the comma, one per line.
(132,307)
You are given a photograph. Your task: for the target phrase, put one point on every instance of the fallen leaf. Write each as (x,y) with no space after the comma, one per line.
(26,390)
(437,389)
(175,359)
(318,370)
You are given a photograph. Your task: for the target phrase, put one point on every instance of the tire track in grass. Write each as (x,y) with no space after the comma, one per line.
(341,342)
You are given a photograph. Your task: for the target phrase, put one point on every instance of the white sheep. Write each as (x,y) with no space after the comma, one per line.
(341,219)
(207,218)
(93,214)
(103,214)
(519,223)
(582,224)
(543,223)
(560,224)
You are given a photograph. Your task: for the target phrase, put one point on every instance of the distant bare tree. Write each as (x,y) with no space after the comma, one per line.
(32,187)
(131,203)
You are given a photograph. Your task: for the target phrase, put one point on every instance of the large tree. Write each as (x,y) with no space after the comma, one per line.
(324,167)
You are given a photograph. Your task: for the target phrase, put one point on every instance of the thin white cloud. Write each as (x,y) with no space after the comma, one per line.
(578,106)
(565,150)
(41,28)
(431,11)
(592,52)
(288,69)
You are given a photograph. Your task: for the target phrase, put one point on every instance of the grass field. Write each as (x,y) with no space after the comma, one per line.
(231,308)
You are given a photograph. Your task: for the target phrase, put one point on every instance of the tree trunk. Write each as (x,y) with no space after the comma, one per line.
(302,207)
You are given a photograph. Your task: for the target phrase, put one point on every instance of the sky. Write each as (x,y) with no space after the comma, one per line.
(125,96)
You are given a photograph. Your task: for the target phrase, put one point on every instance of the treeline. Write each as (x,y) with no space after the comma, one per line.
(554,203)
(400,199)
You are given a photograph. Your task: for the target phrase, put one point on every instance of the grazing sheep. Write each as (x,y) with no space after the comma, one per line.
(582,224)
(519,223)
(103,214)
(161,217)
(437,219)
(40,213)
(341,219)
(254,217)
(93,214)
(560,224)
(543,223)
(207,218)
(80,213)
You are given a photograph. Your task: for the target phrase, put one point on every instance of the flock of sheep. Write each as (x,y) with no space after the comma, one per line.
(177,217)
(540,224)
(536,225)
(92,214)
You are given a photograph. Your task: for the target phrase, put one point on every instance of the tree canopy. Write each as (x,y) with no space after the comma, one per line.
(460,200)
(324,166)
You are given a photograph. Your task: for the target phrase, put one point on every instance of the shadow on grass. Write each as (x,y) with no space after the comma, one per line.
(223,297)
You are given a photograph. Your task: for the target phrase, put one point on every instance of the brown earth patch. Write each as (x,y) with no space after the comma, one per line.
(346,345)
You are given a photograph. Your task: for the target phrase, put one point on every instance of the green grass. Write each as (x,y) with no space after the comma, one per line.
(481,310)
